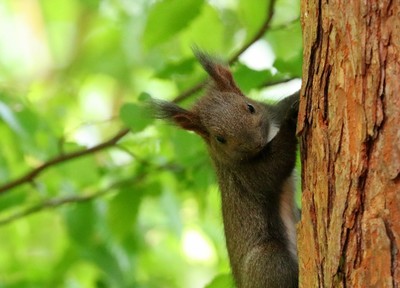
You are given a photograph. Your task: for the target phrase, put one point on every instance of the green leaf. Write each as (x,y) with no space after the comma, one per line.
(9,117)
(123,209)
(80,171)
(181,140)
(144,97)
(198,31)
(253,14)
(248,79)
(135,116)
(80,223)
(286,11)
(287,46)
(184,67)
(107,260)
(291,65)
(171,207)
(287,42)
(222,281)
(17,197)
(91,56)
(203,177)
(166,18)
(64,263)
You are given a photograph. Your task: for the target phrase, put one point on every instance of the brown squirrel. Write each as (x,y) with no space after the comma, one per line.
(253,148)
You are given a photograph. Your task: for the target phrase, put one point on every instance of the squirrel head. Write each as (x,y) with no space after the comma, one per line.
(234,127)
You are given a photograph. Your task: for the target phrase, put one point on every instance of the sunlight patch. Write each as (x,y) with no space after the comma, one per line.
(259,56)
(197,247)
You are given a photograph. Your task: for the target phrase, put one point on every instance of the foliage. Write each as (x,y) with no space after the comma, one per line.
(101,206)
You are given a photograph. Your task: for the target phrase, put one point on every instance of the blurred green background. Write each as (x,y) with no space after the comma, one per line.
(143,211)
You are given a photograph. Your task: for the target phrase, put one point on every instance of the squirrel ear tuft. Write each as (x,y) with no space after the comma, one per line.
(219,72)
(190,121)
(179,116)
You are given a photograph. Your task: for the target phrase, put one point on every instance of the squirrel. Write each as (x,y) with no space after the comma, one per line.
(253,148)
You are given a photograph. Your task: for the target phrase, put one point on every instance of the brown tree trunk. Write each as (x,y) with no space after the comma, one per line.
(349,123)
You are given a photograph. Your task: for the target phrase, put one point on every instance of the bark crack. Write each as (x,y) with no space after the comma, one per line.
(393,251)
(316,53)
(315,226)
(341,273)
(328,71)
(313,62)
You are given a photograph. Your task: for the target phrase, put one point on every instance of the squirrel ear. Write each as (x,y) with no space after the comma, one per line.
(190,121)
(182,117)
(220,73)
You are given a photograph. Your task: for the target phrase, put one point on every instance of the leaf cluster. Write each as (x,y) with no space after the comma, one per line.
(93,191)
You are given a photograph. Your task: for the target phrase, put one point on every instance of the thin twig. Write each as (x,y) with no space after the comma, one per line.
(276,82)
(30,176)
(189,92)
(56,202)
(52,203)
(235,57)
(258,35)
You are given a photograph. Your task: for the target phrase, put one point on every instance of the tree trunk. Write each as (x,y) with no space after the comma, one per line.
(349,123)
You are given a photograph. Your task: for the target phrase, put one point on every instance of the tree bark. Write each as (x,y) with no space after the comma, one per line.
(349,122)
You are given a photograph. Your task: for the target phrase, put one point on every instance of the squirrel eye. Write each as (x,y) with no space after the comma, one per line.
(251,108)
(220,139)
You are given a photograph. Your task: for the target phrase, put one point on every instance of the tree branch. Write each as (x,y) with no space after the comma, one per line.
(235,57)
(56,202)
(258,35)
(185,94)
(30,176)
(52,203)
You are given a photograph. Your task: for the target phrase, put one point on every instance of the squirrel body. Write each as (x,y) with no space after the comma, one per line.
(253,148)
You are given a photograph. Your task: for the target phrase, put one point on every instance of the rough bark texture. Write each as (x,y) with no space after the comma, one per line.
(349,120)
